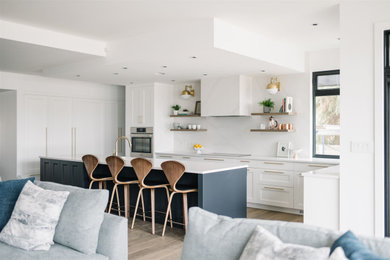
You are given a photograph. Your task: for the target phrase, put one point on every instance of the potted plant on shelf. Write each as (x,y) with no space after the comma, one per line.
(268,105)
(176,109)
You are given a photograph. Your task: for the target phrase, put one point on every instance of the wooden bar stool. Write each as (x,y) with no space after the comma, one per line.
(142,168)
(174,171)
(116,164)
(91,162)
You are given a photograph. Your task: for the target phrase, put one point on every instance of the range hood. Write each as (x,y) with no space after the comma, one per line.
(226,97)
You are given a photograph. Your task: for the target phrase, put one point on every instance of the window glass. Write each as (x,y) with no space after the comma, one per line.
(326,114)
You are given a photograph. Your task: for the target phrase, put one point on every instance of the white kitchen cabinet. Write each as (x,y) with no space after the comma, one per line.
(236,91)
(33,143)
(88,123)
(298,191)
(140,105)
(274,196)
(59,126)
(274,177)
(249,186)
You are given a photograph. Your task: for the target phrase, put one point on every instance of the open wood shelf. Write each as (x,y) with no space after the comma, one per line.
(184,115)
(270,130)
(275,114)
(188,130)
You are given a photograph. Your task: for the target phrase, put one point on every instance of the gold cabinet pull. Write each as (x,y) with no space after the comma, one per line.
(271,171)
(276,163)
(165,156)
(186,157)
(214,159)
(245,161)
(318,165)
(273,188)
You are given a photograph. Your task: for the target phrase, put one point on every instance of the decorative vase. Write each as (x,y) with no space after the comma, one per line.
(175,112)
(266,109)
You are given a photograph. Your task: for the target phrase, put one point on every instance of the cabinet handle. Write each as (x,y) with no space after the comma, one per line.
(318,165)
(214,159)
(276,163)
(273,188)
(186,157)
(245,161)
(165,156)
(271,171)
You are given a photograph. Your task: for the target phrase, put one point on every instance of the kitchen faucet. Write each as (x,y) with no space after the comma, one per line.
(116,144)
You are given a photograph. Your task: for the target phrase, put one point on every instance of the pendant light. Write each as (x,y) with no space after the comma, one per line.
(274,86)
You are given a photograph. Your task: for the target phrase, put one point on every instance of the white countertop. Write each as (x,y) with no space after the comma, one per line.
(253,157)
(330,172)
(197,167)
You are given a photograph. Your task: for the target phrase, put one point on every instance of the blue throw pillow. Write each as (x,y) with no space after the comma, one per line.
(9,193)
(353,248)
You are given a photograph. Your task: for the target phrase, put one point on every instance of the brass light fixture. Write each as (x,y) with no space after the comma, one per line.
(274,86)
(188,92)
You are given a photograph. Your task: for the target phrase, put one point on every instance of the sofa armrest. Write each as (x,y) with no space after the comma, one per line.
(113,237)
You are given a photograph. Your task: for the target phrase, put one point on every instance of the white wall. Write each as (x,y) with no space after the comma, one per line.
(8,135)
(76,91)
(357,190)
(232,135)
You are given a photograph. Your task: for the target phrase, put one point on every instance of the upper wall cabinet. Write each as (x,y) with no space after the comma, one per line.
(139,105)
(229,96)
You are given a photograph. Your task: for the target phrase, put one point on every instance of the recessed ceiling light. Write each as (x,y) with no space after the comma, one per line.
(204,74)
(124,68)
(338,38)
(164,67)
(116,73)
(172,80)
(193,57)
(315,24)
(262,70)
(78,75)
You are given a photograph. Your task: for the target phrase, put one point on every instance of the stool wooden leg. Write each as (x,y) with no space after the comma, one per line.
(170,210)
(143,206)
(100,185)
(117,200)
(112,198)
(90,184)
(136,207)
(126,194)
(152,205)
(185,211)
(105,185)
(166,214)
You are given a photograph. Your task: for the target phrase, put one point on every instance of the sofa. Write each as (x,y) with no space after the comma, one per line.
(112,241)
(210,236)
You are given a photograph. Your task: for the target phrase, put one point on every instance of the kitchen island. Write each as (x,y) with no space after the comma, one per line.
(221,185)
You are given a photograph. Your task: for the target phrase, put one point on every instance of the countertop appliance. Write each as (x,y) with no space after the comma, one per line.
(142,142)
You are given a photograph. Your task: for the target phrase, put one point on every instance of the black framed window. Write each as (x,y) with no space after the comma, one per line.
(326,114)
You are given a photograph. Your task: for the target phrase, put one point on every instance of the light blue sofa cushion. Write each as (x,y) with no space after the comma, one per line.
(210,236)
(81,217)
(113,237)
(9,193)
(56,252)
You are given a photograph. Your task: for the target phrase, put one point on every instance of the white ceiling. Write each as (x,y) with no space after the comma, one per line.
(145,35)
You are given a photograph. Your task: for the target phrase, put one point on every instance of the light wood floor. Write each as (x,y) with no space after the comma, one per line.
(143,245)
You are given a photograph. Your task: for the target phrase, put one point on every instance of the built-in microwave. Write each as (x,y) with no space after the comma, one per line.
(141,142)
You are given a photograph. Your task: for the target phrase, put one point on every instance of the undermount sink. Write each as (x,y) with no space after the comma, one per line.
(227,154)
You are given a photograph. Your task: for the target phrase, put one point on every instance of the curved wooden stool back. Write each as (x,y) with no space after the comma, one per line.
(173,171)
(115,164)
(90,162)
(142,168)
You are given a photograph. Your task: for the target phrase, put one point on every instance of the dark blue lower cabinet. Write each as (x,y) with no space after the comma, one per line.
(64,172)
